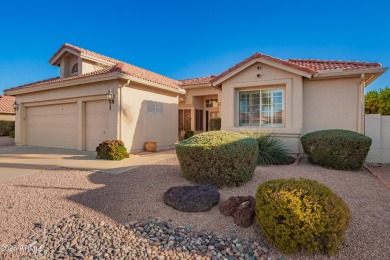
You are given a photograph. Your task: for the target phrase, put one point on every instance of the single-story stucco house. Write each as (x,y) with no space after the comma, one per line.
(7,112)
(290,97)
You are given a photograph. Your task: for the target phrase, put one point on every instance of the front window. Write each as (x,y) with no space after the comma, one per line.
(261,108)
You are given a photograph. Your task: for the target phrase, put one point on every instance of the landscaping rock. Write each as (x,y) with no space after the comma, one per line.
(242,208)
(192,198)
(127,242)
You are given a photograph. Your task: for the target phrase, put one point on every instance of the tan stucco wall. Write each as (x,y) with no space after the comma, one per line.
(7,117)
(270,76)
(138,126)
(330,104)
(70,94)
(66,65)
(88,66)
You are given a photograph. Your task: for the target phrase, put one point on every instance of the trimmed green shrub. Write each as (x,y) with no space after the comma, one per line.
(188,134)
(218,157)
(6,127)
(301,215)
(112,150)
(12,134)
(272,151)
(215,124)
(336,149)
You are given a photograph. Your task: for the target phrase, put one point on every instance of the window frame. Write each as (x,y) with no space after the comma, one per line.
(251,106)
(154,107)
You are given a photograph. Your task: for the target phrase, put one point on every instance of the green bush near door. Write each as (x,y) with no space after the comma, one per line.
(218,157)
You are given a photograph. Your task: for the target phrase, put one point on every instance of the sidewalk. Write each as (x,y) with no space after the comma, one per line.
(22,160)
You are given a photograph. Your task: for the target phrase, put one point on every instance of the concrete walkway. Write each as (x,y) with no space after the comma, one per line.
(6,141)
(17,161)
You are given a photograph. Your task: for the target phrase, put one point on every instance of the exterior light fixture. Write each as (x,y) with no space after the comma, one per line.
(110,97)
(15,106)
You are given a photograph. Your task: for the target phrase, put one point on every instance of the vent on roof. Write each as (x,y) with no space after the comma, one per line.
(75,68)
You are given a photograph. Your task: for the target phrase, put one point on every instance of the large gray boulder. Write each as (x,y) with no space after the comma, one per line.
(192,198)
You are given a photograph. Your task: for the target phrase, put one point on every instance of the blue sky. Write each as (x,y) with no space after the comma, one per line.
(183,39)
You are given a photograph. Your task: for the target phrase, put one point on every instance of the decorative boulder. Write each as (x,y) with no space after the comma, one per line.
(192,198)
(242,208)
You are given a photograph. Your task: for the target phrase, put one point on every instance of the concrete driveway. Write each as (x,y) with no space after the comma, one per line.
(21,160)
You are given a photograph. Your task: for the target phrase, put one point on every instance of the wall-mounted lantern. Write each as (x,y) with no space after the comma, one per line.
(110,97)
(15,106)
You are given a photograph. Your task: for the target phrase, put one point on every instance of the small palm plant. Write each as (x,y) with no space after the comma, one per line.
(272,151)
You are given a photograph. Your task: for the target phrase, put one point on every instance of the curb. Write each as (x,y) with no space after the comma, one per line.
(379,176)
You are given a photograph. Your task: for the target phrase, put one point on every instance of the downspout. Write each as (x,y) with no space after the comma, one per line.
(120,106)
(362,118)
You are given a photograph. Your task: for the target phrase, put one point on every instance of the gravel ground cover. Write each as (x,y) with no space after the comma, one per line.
(49,196)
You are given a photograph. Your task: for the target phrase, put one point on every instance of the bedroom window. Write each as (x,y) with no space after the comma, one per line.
(262,108)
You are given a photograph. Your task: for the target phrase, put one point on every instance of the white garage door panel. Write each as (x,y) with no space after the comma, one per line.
(52,126)
(96,123)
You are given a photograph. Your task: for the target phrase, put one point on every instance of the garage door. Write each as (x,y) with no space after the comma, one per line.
(96,123)
(52,126)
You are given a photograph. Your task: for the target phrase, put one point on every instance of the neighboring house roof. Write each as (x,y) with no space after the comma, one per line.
(6,104)
(197,81)
(118,66)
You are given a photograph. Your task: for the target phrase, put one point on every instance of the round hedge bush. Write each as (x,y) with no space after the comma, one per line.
(301,215)
(336,149)
(218,157)
(112,150)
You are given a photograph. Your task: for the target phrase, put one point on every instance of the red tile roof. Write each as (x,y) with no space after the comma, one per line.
(309,66)
(261,55)
(306,65)
(6,103)
(119,66)
(318,65)
(197,81)
(58,79)
(85,51)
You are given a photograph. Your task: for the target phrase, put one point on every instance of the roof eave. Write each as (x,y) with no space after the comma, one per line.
(66,83)
(203,85)
(56,57)
(342,73)
(151,83)
(264,61)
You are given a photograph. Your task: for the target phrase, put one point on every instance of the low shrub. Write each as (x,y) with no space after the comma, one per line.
(272,151)
(12,134)
(215,124)
(301,215)
(6,127)
(218,157)
(188,134)
(112,150)
(336,149)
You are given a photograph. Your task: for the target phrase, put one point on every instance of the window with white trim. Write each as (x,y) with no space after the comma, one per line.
(154,107)
(262,108)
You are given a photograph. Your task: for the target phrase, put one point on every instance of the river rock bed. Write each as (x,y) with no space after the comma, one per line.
(78,238)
